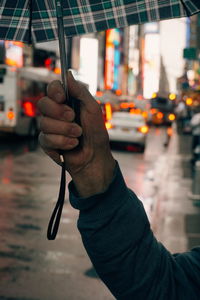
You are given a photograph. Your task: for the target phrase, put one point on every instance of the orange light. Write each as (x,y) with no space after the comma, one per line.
(144,129)
(98,101)
(171,117)
(57,71)
(29,109)
(99,94)
(145,114)
(127,105)
(10,115)
(153,111)
(132,111)
(11,62)
(118,92)
(124,105)
(159,115)
(172,97)
(169,131)
(108,125)
(108,111)
(140,97)
(189,101)
(131,105)
(135,111)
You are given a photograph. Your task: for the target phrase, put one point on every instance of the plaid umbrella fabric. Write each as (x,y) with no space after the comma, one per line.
(35,20)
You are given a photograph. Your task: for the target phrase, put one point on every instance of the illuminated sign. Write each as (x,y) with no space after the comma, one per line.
(14,53)
(89,63)
(112,59)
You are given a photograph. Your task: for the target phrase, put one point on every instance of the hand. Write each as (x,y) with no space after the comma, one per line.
(91,166)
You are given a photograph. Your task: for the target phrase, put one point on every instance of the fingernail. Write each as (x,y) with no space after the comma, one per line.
(76,131)
(74,142)
(68,115)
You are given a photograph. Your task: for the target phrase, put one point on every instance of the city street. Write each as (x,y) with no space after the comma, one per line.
(33,268)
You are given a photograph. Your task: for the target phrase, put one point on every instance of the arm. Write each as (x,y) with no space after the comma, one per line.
(127,257)
(113,224)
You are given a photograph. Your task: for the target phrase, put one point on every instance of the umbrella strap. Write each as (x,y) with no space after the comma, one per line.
(57,212)
(56,215)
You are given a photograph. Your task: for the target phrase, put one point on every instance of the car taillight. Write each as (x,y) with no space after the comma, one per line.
(153,111)
(160,115)
(143,129)
(108,125)
(145,114)
(171,117)
(10,114)
(29,109)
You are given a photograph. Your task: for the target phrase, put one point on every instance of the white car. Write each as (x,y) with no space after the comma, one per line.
(127,128)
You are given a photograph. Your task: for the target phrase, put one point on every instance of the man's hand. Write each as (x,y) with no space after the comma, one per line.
(91,165)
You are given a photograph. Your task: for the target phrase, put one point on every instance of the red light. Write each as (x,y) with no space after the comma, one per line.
(48,63)
(29,109)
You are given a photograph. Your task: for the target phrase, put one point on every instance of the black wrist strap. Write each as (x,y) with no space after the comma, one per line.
(57,212)
(56,215)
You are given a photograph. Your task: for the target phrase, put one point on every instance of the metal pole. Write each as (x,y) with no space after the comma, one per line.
(62,47)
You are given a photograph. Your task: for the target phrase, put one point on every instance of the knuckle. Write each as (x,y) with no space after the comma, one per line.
(62,141)
(41,103)
(42,124)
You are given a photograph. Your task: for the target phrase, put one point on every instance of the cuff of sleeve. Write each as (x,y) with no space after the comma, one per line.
(116,189)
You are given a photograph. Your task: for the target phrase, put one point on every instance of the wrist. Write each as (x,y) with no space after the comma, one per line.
(95,178)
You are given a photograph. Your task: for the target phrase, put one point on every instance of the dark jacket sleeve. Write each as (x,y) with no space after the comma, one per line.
(127,257)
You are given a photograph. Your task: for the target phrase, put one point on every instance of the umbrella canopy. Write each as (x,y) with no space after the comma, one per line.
(33,21)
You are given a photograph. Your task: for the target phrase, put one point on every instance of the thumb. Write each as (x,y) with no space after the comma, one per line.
(56,92)
(79,91)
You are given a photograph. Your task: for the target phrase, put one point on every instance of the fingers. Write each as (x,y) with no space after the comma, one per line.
(56,92)
(53,141)
(79,91)
(51,126)
(61,112)
(76,89)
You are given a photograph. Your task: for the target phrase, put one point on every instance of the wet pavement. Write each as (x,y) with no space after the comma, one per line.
(33,268)
(178,219)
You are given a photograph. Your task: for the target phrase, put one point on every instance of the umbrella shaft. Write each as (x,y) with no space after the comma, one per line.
(62,47)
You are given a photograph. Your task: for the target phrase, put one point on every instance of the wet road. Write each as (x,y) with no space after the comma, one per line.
(31,267)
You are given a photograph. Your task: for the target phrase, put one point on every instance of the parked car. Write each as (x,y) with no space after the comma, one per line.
(128,128)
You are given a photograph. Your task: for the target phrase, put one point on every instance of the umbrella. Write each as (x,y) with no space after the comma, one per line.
(33,21)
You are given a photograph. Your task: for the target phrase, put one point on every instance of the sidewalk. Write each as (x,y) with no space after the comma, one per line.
(176,221)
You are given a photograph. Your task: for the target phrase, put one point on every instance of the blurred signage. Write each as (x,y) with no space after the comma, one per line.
(14,53)
(190,53)
(152,64)
(133,54)
(112,59)
(89,63)
(116,69)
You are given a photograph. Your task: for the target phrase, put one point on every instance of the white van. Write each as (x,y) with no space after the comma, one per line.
(20,89)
